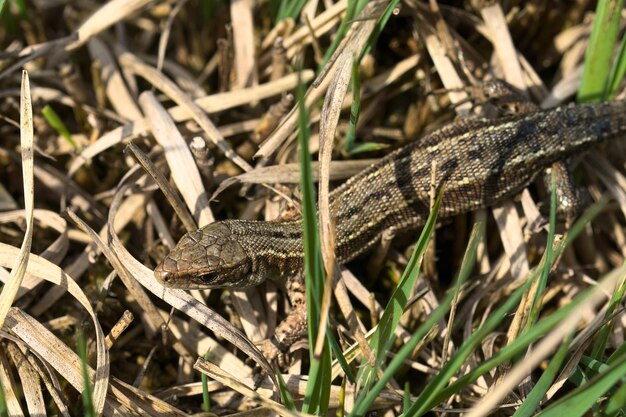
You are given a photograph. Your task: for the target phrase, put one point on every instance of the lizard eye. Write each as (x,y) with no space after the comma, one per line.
(207,279)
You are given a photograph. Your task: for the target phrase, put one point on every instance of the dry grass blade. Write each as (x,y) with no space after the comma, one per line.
(243,39)
(29,381)
(224,75)
(211,104)
(107,15)
(512,239)
(322,23)
(116,90)
(164,84)
(138,402)
(290,173)
(159,178)
(445,67)
(44,372)
(151,312)
(55,252)
(9,291)
(30,330)
(546,347)
(218,374)
(10,394)
(329,119)
(181,300)
(496,22)
(184,170)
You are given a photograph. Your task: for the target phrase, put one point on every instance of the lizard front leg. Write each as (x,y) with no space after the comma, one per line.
(292,328)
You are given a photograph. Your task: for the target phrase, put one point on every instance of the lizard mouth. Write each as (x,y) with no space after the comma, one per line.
(166,272)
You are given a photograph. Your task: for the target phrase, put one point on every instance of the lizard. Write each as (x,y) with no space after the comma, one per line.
(481,161)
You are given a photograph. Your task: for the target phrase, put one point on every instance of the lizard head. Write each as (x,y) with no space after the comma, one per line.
(210,257)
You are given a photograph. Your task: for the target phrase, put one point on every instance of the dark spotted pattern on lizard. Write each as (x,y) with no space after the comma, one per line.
(481,162)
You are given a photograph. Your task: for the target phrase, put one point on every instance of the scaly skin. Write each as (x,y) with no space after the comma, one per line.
(481,162)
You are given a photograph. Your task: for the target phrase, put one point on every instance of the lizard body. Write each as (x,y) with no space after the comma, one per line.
(481,161)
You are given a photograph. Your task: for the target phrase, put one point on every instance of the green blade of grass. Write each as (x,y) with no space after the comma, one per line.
(435,392)
(616,403)
(317,392)
(513,349)
(535,306)
(289,9)
(367,147)
(603,335)
(87,394)
(4,412)
(57,124)
(537,331)
(284,393)
(365,399)
(618,353)
(380,25)
(532,401)
(341,359)
(368,396)
(593,85)
(406,401)
(206,401)
(618,69)
(383,336)
(580,400)
(353,8)
(355,108)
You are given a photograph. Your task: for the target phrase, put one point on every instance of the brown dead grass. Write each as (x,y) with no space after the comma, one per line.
(159,74)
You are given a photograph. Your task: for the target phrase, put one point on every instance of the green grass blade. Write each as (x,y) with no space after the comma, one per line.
(365,399)
(616,405)
(289,9)
(312,256)
(380,25)
(538,330)
(590,214)
(435,392)
(535,306)
(406,401)
(594,86)
(317,393)
(530,404)
(384,335)
(580,400)
(353,8)
(367,147)
(355,109)
(618,69)
(594,365)
(10,23)
(513,349)
(4,412)
(341,359)
(284,393)
(621,350)
(206,401)
(57,124)
(87,395)
(603,335)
